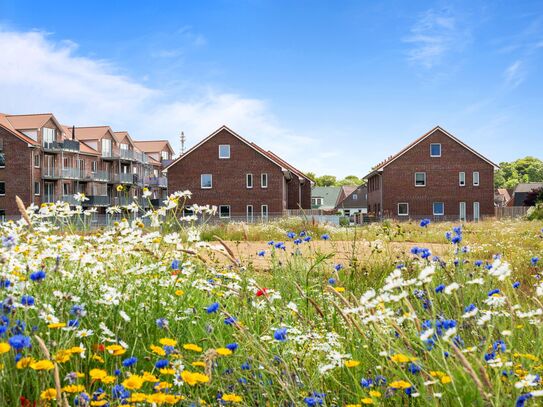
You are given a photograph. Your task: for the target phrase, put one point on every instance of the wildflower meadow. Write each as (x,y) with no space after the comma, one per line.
(160,310)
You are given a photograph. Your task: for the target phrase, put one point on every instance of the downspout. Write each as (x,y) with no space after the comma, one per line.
(381,192)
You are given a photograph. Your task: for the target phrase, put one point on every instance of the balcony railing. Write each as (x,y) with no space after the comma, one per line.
(65,145)
(123,178)
(102,176)
(49,198)
(161,182)
(72,173)
(110,155)
(127,154)
(98,200)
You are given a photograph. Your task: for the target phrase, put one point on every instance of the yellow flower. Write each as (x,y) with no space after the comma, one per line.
(400,384)
(49,394)
(198,364)
(42,365)
(339,289)
(234,398)
(446,379)
(76,349)
(57,325)
(148,377)
(98,403)
(98,358)
(73,388)
(116,350)
(351,363)
(97,374)
(158,350)
(137,398)
(179,292)
(63,356)
(119,188)
(168,342)
(4,347)
(193,347)
(367,400)
(224,351)
(401,358)
(374,393)
(24,362)
(167,371)
(109,379)
(193,378)
(353,405)
(134,382)
(162,386)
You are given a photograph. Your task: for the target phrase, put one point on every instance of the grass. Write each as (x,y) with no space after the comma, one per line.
(386,327)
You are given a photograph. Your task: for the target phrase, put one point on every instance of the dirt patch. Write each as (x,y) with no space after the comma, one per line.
(343,251)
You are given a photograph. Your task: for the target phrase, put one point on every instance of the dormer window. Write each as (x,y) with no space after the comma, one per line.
(48,136)
(164,155)
(124,146)
(224,151)
(435,150)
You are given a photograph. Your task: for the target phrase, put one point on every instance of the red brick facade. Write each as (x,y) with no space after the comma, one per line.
(393,182)
(229,177)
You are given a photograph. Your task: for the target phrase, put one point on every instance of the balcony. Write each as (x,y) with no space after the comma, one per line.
(97,200)
(50,173)
(124,178)
(72,173)
(58,146)
(160,182)
(110,155)
(48,198)
(129,155)
(98,176)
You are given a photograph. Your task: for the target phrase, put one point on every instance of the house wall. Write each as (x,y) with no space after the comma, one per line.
(442,180)
(306,195)
(293,188)
(16,174)
(229,177)
(374,194)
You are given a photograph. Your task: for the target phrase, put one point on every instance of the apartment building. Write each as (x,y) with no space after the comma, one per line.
(437,176)
(45,161)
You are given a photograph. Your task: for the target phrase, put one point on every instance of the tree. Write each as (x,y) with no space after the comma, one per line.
(351,180)
(527,169)
(326,181)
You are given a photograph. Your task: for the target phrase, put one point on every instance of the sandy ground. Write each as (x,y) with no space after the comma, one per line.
(343,251)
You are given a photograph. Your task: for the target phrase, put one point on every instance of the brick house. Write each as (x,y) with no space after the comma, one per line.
(355,202)
(437,176)
(44,161)
(240,178)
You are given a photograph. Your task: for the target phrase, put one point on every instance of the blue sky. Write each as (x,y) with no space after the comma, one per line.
(334,87)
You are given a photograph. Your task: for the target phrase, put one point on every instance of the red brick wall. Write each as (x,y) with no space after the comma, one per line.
(229,183)
(442,180)
(16,174)
(306,195)
(293,188)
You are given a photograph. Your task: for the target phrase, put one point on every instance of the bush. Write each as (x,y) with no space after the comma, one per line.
(536,212)
(344,221)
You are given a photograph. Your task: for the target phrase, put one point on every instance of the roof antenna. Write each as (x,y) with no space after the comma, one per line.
(183,139)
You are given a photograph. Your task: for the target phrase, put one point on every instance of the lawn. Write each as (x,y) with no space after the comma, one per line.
(285,314)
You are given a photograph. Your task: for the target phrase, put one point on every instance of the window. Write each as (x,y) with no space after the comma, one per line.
(224,211)
(36,188)
(462,179)
(439,208)
(164,155)
(316,201)
(249,180)
(2,215)
(249,213)
(264,212)
(106,147)
(94,166)
(355,197)
(435,150)
(264,180)
(48,136)
(420,179)
(206,181)
(66,189)
(2,160)
(476,178)
(124,146)
(37,160)
(476,211)
(2,188)
(224,151)
(403,209)
(462,210)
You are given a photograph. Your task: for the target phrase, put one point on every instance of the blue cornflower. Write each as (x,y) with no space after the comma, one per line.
(490,356)
(119,392)
(307,239)
(415,250)
(130,361)
(82,399)
(27,300)
(516,284)
(245,366)
(380,380)
(326,236)
(271,243)
(78,311)
(522,399)
(297,241)
(535,260)
(469,308)
(73,323)
(168,349)
(8,241)
(494,291)
(291,235)
(457,230)
(232,346)
(448,236)
(478,263)
(175,264)
(162,323)
(440,288)
(338,267)
(19,342)
(5,283)
(262,253)
(331,281)
(316,399)
(117,372)
(303,233)
(456,239)
(425,253)
(162,363)
(212,308)
(413,368)
(37,275)
(280,245)
(424,223)
(499,345)
(280,334)
(366,382)
(230,321)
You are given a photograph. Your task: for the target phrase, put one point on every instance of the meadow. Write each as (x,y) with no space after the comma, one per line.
(180,314)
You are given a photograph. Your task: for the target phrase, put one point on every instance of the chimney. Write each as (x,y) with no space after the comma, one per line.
(73,132)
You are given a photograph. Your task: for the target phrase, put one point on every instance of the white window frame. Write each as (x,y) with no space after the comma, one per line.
(264,176)
(202,181)
(462,216)
(220,214)
(476,212)
(476,184)
(94,166)
(106,146)
(164,155)
(462,179)
(355,197)
(247,184)
(252,215)
(420,186)
(39,188)
(435,144)
(36,155)
(262,212)
(398,208)
(225,157)
(434,209)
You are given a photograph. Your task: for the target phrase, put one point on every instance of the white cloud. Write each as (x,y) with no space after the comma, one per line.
(514,74)
(40,75)
(433,37)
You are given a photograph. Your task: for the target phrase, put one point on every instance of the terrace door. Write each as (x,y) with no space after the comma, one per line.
(49,192)
(476,210)
(463,211)
(49,165)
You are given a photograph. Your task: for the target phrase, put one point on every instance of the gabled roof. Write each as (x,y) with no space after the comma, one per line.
(291,168)
(347,202)
(270,156)
(329,195)
(153,146)
(394,157)
(527,187)
(31,121)
(83,148)
(93,133)
(122,134)
(5,123)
